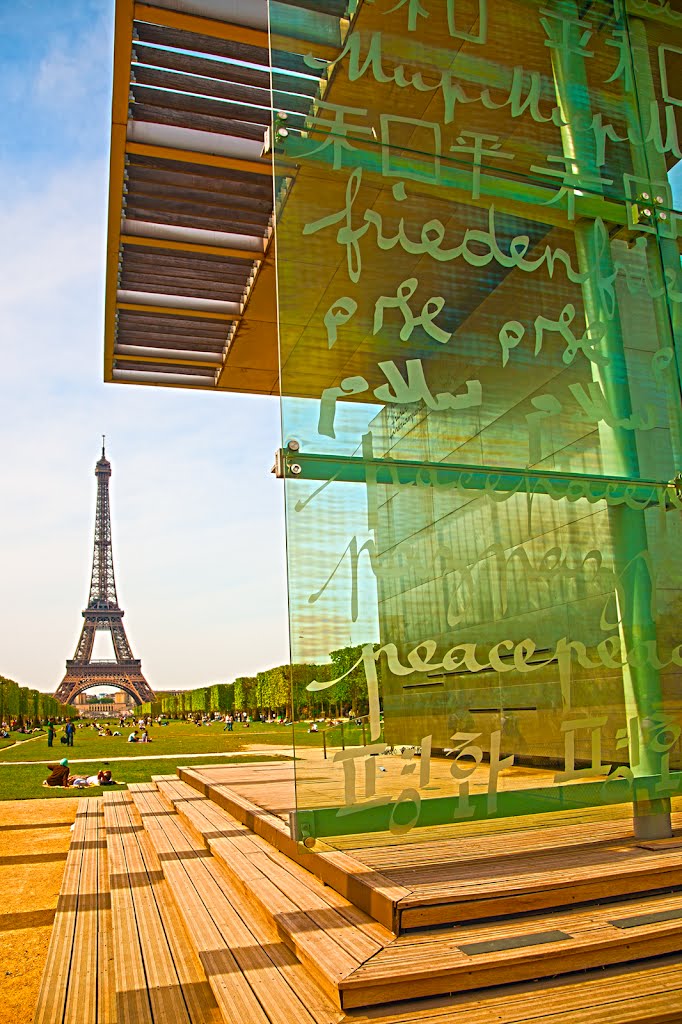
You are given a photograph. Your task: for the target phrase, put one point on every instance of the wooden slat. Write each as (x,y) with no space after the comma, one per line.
(165,991)
(106,987)
(186,971)
(70,976)
(239,971)
(200,1000)
(81,1002)
(316,1001)
(367,888)
(132,997)
(357,932)
(580,874)
(637,994)
(466,875)
(422,964)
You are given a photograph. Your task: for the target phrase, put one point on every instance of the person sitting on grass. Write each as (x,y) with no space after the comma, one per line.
(133,738)
(59,774)
(144,738)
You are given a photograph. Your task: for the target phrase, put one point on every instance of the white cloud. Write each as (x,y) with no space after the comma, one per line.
(197,519)
(71,70)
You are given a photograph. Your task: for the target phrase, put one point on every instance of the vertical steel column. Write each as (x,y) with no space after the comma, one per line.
(641,682)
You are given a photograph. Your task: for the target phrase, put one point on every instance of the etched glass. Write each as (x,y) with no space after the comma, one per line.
(480,320)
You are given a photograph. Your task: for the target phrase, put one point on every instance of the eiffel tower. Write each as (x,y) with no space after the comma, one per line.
(103,612)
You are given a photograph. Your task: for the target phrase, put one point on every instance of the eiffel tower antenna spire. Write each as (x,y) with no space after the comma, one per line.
(103,613)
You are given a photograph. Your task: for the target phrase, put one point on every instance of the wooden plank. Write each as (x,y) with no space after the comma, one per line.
(329,962)
(106,987)
(368,889)
(166,938)
(210,825)
(590,819)
(227,916)
(351,928)
(559,879)
(54,985)
(623,995)
(423,964)
(210,822)
(81,995)
(317,1002)
(165,992)
(407,885)
(132,998)
(199,998)
(237,968)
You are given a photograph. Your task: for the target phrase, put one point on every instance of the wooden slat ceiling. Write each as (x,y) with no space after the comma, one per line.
(190,276)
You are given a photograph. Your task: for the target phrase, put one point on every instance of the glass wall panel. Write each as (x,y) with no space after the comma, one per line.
(479,305)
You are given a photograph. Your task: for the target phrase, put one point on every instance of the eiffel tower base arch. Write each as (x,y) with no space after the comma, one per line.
(126,676)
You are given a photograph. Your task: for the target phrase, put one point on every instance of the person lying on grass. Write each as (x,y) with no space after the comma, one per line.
(103,778)
(59,776)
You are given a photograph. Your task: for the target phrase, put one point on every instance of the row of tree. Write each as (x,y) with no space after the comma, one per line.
(279,691)
(29,707)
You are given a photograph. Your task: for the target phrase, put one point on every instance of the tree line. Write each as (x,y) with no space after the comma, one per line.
(277,692)
(26,706)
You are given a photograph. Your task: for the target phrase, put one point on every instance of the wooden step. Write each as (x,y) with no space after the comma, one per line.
(482,887)
(365,887)
(254,976)
(428,963)
(77,983)
(520,948)
(157,975)
(459,873)
(328,934)
(645,993)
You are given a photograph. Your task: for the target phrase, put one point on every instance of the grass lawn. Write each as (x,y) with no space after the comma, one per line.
(20,737)
(175,738)
(25,781)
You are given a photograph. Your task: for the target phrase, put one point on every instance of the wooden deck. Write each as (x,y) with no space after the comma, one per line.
(175,910)
(456,873)
(78,983)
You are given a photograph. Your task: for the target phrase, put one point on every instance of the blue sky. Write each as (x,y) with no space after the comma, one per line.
(197,517)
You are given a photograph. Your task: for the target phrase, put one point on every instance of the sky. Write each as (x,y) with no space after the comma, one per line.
(197,518)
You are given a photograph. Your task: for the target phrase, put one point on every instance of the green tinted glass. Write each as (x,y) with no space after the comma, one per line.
(479,304)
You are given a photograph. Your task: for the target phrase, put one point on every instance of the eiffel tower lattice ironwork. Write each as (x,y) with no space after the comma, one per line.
(103,613)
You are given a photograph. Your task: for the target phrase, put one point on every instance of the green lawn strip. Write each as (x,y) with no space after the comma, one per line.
(25,781)
(20,737)
(176,738)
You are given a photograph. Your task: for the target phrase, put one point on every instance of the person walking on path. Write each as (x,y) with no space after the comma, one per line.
(50,732)
(69,733)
